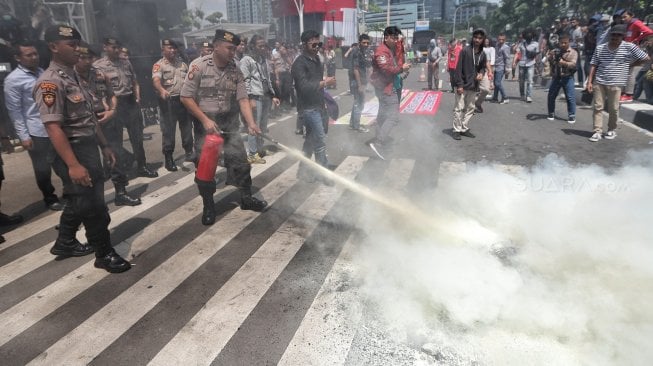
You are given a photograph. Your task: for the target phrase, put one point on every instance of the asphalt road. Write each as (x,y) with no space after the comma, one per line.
(308,282)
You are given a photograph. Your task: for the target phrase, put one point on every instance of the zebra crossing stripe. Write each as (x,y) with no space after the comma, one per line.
(48,222)
(147,292)
(326,333)
(31,310)
(221,316)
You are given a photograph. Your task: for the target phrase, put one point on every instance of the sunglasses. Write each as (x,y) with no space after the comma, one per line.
(315,45)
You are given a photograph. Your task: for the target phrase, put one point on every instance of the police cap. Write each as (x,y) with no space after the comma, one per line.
(61,33)
(207,44)
(226,36)
(169,42)
(110,41)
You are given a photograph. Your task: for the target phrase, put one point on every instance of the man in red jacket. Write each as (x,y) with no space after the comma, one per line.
(387,67)
(636,32)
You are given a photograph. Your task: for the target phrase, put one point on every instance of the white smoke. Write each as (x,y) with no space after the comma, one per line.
(547,266)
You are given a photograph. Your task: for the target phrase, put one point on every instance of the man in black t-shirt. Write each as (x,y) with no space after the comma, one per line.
(360,64)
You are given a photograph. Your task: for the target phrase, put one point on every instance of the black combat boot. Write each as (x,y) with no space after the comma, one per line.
(112,262)
(206,192)
(70,248)
(123,199)
(248,202)
(143,171)
(170,162)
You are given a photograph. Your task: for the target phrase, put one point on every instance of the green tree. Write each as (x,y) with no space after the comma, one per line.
(215,18)
(192,18)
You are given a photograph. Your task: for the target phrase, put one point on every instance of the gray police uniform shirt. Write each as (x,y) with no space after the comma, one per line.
(172,75)
(120,74)
(61,98)
(99,88)
(215,91)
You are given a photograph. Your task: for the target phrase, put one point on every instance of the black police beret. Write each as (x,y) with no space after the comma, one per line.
(61,33)
(226,36)
(169,42)
(86,49)
(111,41)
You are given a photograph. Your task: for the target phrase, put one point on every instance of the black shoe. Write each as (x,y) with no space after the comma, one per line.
(456,135)
(478,110)
(2,239)
(189,157)
(8,220)
(169,163)
(55,206)
(145,172)
(112,262)
(253,204)
(467,133)
(72,249)
(123,199)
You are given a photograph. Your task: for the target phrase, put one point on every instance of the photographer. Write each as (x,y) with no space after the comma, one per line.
(563,60)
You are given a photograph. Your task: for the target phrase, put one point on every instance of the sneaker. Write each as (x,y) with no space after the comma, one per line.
(255,159)
(529,100)
(610,135)
(456,135)
(505,101)
(375,146)
(362,129)
(252,204)
(571,120)
(626,98)
(551,117)
(596,137)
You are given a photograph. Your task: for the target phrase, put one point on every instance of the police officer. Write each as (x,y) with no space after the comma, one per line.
(168,76)
(67,112)
(214,92)
(207,49)
(126,88)
(104,106)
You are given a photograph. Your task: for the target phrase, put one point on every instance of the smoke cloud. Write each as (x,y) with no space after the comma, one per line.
(551,265)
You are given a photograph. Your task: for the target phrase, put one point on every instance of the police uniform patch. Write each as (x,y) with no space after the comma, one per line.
(228,36)
(156,68)
(65,31)
(49,96)
(191,73)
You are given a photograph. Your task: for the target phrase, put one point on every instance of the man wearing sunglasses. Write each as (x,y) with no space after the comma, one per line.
(307,72)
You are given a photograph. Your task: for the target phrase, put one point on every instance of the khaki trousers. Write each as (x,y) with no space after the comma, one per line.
(606,97)
(463,110)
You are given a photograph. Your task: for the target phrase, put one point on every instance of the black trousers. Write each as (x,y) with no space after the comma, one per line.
(173,112)
(233,151)
(85,204)
(42,155)
(129,115)
(112,131)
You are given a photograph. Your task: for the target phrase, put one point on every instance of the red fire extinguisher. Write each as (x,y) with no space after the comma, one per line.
(209,158)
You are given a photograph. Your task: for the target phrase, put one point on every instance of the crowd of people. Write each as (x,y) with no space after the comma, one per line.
(65,115)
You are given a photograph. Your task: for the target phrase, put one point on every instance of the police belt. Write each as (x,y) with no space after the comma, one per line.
(83,140)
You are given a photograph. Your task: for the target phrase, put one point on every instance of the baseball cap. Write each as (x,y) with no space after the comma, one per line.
(61,33)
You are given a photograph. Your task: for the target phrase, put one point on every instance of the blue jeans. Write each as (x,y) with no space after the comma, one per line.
(566,82)
(315,136)
(526,80)
(357,108)
(261,115)
(498,85)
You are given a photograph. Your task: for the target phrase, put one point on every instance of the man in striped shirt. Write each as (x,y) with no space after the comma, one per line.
(610,64)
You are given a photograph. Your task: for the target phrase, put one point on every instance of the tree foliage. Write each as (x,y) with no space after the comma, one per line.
(192,18)
(513,16)
(214,18)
